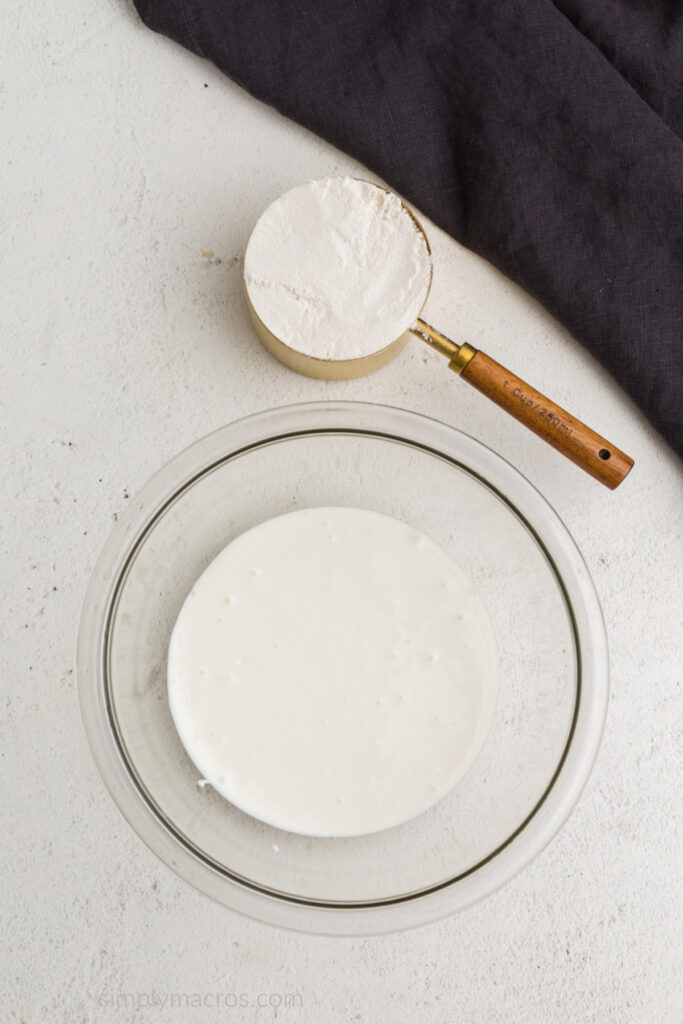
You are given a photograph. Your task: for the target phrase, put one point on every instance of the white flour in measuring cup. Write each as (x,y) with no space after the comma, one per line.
(337,268)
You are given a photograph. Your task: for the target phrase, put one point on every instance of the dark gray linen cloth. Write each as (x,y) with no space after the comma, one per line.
(546,136)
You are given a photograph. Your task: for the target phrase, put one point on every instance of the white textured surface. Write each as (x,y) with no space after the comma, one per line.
(130,163)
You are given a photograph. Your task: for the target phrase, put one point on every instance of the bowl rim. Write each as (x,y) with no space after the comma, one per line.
(522,499)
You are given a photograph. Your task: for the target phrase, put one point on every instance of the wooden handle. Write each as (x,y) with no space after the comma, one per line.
(559,428)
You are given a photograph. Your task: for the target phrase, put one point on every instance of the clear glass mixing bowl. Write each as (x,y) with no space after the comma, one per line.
(551,645)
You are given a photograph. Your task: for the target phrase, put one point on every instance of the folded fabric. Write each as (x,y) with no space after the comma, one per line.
(544,136)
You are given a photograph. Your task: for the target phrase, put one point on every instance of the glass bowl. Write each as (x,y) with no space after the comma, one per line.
(553,674)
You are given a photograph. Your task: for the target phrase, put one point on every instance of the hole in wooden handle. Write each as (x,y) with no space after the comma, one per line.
(604,454)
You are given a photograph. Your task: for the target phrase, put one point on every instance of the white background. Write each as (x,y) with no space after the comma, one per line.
(126,162)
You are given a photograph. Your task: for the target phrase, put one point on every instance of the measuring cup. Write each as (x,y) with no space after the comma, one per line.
(558,428)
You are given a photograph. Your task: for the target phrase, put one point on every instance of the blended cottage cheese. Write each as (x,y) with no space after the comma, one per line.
(333,672)
(337,268)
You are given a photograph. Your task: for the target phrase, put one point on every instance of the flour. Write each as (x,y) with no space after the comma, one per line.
(337,268)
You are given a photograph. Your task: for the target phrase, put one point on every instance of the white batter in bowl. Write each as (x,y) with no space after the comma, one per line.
(332,672)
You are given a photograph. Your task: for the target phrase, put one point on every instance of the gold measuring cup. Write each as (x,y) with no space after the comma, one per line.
(568,435)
